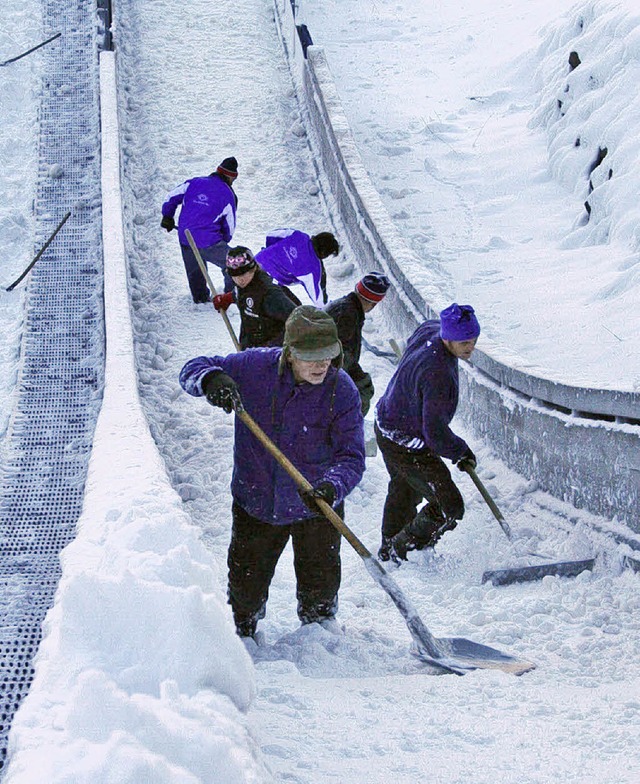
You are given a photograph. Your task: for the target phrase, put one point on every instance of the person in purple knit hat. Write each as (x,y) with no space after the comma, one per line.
(413,434)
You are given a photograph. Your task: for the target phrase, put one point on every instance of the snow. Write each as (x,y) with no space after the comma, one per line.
(485,175)
(140,677)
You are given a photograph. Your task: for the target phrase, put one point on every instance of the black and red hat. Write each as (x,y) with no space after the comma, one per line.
(228,168)
(373,286)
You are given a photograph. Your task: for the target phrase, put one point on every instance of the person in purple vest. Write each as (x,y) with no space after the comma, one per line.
(291,256)
(209,212)
(413,434)
(310,408)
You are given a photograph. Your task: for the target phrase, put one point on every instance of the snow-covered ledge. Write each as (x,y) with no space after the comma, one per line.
(581,445)
(140,675)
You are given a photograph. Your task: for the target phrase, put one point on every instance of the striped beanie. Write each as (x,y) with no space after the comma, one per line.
(373,286)
(228,168)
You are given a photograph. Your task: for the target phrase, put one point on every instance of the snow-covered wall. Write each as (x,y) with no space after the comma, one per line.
(581,445)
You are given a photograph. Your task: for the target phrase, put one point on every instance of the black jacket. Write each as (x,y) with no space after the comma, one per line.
(348,314)
(264,307)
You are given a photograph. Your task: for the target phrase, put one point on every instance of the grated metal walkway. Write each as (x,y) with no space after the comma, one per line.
(46,449)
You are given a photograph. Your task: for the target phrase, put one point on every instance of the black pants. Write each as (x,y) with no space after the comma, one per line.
(254,552)
(415,475)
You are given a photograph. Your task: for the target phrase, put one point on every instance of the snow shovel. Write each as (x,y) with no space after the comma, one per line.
(520,574)
(446,654)
(205,272)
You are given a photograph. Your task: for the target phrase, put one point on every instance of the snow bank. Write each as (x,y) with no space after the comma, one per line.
(140,676)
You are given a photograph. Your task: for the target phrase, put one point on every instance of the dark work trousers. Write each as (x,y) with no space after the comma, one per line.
(415,475)
(214,254)
(254,552)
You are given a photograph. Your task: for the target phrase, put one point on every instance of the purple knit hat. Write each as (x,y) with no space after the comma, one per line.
(459,322)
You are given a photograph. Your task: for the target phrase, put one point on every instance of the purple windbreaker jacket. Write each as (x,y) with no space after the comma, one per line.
(318,427)
(290,258)
(422,396)
(208,210)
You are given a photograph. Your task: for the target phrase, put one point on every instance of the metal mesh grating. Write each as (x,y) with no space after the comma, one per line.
(46,449)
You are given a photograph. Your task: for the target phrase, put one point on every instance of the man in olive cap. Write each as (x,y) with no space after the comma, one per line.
(413,434)
(209,212)
(310,408)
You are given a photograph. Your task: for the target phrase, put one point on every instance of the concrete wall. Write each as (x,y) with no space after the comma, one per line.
(582,445)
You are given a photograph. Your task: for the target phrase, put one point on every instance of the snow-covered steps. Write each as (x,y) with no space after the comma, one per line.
(51,428)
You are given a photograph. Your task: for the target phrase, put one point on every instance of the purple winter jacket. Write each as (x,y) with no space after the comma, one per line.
(318,427)
(422,396)
(208,210)
(290,258)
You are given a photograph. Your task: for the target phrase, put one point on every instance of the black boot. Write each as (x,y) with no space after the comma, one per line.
(384,553)
(401,544)
(246,628)
(437,533)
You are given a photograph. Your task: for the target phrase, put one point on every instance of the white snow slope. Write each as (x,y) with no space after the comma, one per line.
(141,678)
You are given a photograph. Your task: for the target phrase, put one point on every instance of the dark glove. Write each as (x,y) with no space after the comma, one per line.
(168,223)
(323,491)
(222,301)
(366,390)
(467,461)
(222,391)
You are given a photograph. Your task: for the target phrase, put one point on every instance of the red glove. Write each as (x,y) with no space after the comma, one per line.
(222,301)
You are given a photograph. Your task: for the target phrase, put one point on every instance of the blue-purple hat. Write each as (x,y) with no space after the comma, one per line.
(459,322)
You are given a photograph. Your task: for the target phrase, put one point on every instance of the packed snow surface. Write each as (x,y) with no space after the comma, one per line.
(141,678)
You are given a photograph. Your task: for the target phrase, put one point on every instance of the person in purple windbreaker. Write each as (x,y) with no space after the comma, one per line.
(208,210)
(413,434)
(291,256)
(310,409)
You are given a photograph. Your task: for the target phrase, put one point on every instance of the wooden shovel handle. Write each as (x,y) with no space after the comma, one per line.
(303,483)
(205,272)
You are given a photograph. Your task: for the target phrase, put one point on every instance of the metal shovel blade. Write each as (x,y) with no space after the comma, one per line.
(524,574)
(447,654)
(460,655)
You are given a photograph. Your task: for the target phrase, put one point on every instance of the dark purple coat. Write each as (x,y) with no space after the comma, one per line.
(208,210)
(318,427)
(422,396)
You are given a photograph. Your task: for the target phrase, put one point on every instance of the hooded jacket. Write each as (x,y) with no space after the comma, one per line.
(319,427)
(208,210)
(422,396)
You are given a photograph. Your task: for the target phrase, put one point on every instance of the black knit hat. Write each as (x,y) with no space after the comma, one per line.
(239,261)
(228,168)
(373,286)
(325,244)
